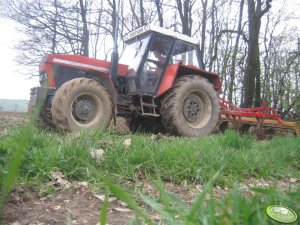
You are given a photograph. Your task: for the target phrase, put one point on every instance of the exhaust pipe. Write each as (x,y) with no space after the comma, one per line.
(115,54)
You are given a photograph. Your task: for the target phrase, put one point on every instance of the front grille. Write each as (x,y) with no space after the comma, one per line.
(64,74)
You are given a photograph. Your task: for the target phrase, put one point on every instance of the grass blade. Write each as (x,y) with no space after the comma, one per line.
(158,208)
(200,198)
(125,197)
(172,199)
(104,208)
(14,164)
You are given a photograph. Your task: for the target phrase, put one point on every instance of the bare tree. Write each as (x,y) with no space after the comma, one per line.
(159,8)
(185,12)
(256,10)
(51,27)
(235,52)
(203,31)
(138,12)
(85,32)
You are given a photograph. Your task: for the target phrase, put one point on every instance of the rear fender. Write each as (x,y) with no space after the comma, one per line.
(177,70)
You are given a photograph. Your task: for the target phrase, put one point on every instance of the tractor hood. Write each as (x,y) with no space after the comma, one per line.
(83,63)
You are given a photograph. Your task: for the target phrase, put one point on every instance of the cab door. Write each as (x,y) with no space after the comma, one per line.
(155,63)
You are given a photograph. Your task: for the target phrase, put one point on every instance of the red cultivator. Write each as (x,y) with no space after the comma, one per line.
(265,120)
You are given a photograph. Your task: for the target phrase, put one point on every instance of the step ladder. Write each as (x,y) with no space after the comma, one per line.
(149,108)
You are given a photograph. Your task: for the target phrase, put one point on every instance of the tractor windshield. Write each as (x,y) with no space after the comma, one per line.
(133,53)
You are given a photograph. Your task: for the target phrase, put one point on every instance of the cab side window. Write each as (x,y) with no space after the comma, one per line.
(185,54)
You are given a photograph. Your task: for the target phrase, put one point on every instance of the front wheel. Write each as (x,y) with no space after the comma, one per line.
(81,103)
(44,119)
(191,107)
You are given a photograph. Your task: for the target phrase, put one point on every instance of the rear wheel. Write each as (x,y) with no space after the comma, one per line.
(81,103)
(191,108)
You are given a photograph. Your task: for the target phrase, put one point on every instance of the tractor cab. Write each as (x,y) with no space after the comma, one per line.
(150,51)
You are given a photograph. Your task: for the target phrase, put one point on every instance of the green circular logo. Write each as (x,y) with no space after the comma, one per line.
(281,214)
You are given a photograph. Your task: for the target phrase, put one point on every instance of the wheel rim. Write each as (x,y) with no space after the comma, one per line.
(196,109)
(85,108)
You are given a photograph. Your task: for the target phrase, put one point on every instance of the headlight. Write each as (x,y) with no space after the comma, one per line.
(43,79)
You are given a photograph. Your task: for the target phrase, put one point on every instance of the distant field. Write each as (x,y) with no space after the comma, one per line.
(12,105)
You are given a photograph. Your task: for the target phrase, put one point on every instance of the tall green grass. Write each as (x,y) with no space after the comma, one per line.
(235,208)
(29,155)
(11,159)
(177,159)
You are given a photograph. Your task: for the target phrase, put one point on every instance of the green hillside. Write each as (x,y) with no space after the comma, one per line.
(12,105)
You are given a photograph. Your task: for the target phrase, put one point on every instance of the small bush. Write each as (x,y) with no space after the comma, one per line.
(232,139)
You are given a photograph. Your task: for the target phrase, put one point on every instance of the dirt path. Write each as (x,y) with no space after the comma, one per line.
(73,206)
(79,205)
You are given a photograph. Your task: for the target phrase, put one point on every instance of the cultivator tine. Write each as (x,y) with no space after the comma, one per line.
(263,118)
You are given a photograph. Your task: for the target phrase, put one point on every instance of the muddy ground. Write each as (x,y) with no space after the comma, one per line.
(78,204)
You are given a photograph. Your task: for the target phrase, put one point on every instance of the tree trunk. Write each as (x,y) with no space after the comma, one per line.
(142,13)
(54,41)
(85,34)
(113,5)
(203,30)
(235,52)
(251,81)
(185,13)
(158,5)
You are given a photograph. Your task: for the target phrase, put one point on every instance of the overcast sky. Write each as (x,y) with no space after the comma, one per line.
(13,85)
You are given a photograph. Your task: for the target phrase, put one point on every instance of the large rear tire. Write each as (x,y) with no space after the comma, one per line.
(191,108)
(81,103)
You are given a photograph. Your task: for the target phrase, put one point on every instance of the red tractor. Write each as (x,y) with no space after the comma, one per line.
(157,84)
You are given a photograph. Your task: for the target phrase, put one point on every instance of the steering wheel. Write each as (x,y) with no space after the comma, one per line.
(157,63)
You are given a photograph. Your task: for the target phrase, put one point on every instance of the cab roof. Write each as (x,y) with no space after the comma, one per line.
(151,28)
